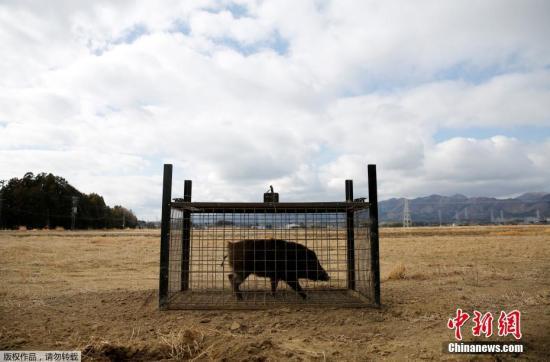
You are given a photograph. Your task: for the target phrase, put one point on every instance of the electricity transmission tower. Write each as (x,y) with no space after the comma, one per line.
(407,222)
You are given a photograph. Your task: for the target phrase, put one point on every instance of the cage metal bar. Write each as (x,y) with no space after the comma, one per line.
(165,236)
(374,250)
(350,236)
(186,237)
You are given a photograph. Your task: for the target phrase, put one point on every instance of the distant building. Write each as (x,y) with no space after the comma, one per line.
(292,226)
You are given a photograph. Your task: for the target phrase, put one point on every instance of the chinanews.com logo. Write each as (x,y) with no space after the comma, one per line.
(508,324)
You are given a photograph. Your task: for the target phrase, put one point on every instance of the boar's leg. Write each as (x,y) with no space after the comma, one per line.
(236,279)
(294,284)
(274,282)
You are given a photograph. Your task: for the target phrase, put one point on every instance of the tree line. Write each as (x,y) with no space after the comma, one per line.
(49,201)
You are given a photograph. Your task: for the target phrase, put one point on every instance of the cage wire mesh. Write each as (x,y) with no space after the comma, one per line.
(200,274)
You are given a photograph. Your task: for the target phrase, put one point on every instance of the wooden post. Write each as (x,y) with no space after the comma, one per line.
(186,237)
(165,236)
(374,250)
(350,232)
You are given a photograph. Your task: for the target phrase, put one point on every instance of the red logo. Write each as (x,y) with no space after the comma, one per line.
(483,324)
(508,323)
(457,323)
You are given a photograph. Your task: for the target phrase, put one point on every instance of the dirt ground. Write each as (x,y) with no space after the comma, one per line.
(97,292)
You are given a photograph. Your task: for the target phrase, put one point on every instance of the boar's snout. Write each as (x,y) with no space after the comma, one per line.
(319,274)
(323,276)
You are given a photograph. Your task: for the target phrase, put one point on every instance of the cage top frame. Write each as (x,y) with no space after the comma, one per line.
(268,207)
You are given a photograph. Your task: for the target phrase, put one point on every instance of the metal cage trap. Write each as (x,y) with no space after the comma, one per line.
(246,255)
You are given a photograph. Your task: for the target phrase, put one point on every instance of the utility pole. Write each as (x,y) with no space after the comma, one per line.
(407,222)
(123,219)
(73,212)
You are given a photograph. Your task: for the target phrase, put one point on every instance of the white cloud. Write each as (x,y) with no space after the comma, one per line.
(466,159)
(296,94)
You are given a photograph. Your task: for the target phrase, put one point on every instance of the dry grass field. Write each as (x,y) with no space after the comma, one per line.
(96,291)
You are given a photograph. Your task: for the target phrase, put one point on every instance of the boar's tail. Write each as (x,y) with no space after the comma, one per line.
(223,261)
(230,253)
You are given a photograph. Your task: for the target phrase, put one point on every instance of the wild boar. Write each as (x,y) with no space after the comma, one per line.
(274,259)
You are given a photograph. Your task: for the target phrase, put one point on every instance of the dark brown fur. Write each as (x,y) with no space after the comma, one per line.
(275,259)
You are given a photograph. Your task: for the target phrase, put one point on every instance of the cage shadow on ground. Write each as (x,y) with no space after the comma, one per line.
(262,299)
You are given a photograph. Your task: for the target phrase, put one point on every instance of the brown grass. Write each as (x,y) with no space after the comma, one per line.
(96,291)
(398,272)
(174,345)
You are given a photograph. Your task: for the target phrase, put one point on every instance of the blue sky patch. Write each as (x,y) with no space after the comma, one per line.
(237,10)
(129,36)
(132,34)
(180,26)
(279,44)
(470,73)
(523,133)
(276,42)
(324,156)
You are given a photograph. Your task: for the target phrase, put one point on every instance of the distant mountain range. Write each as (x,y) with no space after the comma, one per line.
(435,209)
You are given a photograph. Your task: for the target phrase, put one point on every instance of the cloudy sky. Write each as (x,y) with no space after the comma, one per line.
(444,96)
